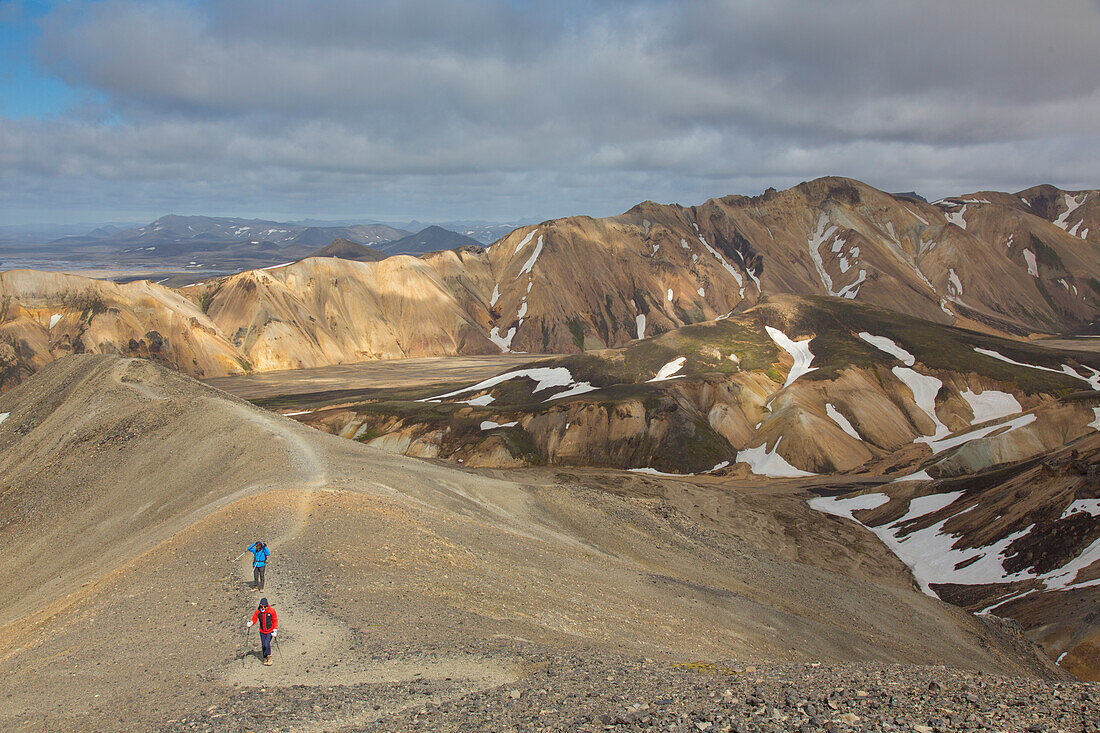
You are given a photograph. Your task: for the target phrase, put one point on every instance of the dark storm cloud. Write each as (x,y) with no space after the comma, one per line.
(582,106)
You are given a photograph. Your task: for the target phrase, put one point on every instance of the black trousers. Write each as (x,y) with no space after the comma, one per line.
(265,644)
(258,576)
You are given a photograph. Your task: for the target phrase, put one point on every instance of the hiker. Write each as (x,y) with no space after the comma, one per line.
(269,627)
(259,562)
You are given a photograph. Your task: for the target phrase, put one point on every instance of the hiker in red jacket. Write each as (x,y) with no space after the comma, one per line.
(269,627)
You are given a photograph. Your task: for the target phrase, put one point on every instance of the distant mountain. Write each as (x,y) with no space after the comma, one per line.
(358,233)
(174,229)
(347,250)
(218,244)
(485,232)
(432,239)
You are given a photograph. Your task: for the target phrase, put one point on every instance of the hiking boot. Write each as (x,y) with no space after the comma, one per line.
(267,661)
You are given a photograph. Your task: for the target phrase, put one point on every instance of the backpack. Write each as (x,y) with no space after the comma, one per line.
(266,619)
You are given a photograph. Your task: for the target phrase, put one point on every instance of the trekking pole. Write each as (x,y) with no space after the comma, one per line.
(279,647)
(238,557)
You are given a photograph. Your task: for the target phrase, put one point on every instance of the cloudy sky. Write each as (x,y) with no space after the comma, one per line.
(517,109)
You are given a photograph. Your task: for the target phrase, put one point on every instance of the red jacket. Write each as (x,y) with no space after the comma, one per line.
(268,620)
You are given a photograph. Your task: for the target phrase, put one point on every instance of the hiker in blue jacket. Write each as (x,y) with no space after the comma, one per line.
(259,562)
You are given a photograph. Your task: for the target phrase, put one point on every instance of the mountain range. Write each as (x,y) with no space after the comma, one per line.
(1010,264)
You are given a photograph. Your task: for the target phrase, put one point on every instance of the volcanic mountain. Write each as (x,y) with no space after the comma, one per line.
(346,250)
(429,239)
(1013,264)
(127,490)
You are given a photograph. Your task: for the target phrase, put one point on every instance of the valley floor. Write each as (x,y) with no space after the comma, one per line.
(370,375)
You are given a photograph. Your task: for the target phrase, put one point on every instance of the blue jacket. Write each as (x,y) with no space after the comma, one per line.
(259,557)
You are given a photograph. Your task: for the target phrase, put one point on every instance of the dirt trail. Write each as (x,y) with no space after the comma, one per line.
(315,648)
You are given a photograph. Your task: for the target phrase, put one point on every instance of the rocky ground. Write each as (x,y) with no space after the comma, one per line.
(600,692)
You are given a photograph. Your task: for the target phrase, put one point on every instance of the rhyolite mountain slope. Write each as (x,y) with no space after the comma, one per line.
(986,262)
(790,387)
(971,457)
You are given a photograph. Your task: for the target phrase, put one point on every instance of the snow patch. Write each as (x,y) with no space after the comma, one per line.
(4,416)
(534,256)
(844,507)
(1072,205)
(54,319)
(654,472)
(496,296)
(490,425)
(544,378)
(884,344)
(956,218)
(822,232)
(1032,267)
(1095,424)
(991,405)
(577,388)
(1087,506)
(799,351)
(954,282)
(640,323)
(503,342)
(835,415)
(917,216)
(852,290)
(938,446)
(1093,381)
(669,295)
(722,260)
(665,373)
(525,240)
(773,465)
(921,475)
(924,389)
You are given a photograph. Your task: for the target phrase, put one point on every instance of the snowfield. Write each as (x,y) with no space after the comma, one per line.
(887,345)
(931,555)
(991,405)
(668,370)
(544,378)
(771,464)
(924,389)
(799,351)
(839,419)
(490,425)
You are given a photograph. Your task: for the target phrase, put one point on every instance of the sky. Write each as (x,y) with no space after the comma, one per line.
(511,110)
